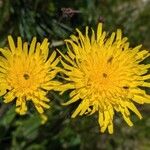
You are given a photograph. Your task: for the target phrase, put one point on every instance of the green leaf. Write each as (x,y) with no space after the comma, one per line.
(8,117)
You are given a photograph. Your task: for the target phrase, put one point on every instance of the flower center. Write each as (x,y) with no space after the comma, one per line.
(26,76)
(104,75)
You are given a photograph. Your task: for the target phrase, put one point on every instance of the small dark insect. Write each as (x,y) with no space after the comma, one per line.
(104,75)
(110,59)
(26,76)
(125,87)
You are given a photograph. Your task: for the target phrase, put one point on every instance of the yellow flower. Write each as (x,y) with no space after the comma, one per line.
(105,75)
(26,74)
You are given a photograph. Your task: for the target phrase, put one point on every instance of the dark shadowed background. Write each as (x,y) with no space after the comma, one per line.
(57,20)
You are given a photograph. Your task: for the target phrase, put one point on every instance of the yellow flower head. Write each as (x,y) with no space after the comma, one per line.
(105,74)
(26,74)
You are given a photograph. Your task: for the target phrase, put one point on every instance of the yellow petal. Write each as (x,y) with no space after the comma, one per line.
(52,57)
(5,52)
(93,37)
(126,118)
(38,50)
(99,31)
(119,34)
(66,66)
(142,99)
(32,46)
(44,105)
(19,44)
(110,128)
(11,44)
(72,100)
(10,96)
(85,107)
(22,108)
(110,40)
(101,119)
(146,77)
(25,48)
(2,92)
(44,48)
(39,108)
(79,109)
(146,84)
(44,118)
(134,109)
(106,121)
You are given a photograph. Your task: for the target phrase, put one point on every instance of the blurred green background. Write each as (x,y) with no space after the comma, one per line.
(57,20)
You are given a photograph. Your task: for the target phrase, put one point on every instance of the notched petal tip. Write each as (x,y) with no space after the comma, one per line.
(11,43)
(119,34)
(2,92)
(65,104)
(21,111)
(44,118)
(99,31)
(44,43)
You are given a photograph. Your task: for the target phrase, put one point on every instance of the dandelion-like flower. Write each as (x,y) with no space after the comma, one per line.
(26,74)
(105,75)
